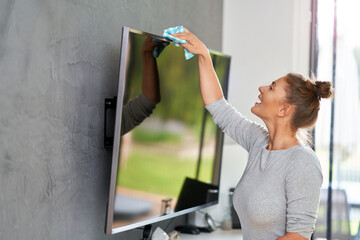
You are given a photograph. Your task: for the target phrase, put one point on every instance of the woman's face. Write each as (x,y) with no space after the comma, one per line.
(272,99)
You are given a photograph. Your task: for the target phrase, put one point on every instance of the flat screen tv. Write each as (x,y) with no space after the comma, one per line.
(165,160)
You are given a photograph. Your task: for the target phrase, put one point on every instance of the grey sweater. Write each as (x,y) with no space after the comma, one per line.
(279,190)
(135,111)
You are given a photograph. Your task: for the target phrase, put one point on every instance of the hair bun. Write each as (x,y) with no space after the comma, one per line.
(325,89)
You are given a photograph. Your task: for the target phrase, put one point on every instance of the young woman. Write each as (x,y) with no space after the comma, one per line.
(278,194)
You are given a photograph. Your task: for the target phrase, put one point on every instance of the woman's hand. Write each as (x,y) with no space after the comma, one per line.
(194,45)
(209,84)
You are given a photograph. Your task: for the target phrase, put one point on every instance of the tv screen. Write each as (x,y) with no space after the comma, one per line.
(166,153)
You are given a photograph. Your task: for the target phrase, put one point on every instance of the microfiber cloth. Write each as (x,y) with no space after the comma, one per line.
(167,32)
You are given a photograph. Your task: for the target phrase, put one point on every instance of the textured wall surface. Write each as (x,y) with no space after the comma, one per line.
(58,61)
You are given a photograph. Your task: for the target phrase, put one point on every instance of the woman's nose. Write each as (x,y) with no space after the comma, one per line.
(261,89)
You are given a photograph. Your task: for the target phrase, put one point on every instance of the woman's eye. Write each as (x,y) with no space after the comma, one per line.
(271,87)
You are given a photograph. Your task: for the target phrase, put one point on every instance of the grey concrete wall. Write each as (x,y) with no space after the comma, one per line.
(58,61)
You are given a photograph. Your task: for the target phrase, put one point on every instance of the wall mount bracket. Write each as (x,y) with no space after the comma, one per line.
(109,121)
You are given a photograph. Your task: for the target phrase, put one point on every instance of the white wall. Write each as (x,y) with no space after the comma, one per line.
(266,39)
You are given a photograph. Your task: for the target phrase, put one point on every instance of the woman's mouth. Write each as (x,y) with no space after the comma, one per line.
(258,102)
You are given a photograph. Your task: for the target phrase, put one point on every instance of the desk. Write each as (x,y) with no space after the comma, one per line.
(217,235)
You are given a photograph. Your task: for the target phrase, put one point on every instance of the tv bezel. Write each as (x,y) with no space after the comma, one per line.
(109,230)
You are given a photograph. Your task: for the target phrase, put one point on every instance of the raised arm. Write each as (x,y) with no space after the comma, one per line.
(242,130)
(141,107)
(209,84)
(150,78)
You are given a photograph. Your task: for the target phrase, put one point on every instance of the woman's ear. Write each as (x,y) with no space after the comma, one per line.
(285,110)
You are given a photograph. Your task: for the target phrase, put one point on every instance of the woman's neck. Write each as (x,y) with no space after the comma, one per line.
(281,136)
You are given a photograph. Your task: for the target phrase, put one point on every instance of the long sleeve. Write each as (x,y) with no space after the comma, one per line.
(135,111)
(244,131)
(303,183)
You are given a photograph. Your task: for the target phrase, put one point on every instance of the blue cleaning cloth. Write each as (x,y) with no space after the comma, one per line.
(176,41)
(178,29)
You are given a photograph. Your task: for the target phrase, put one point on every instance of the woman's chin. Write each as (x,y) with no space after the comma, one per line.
(255,109)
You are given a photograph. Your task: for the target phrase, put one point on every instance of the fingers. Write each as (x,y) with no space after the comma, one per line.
(183,36)
(193,45)
(177,35)
(180,34)
(186,30)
